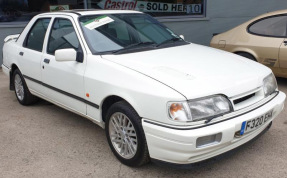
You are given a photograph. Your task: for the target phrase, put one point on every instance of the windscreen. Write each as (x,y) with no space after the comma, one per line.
(108,33)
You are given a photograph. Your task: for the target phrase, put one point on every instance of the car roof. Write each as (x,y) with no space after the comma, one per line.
(277,12)
(274,13)
(91,12)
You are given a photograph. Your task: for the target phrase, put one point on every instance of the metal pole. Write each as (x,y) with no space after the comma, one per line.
(85,4)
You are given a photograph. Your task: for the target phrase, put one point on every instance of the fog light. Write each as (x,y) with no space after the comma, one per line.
(208,140)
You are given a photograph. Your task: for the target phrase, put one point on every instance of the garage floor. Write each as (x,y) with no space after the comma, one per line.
(46,141)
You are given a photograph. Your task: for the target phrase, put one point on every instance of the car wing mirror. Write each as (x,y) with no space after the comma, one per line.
(62,55)
(181,36)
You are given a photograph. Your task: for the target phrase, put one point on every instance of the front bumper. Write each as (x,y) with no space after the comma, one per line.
(180,147)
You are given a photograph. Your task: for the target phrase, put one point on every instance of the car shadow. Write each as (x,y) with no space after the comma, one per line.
(282,82)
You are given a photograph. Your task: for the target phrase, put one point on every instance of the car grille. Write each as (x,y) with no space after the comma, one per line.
(247,99)
(243,99)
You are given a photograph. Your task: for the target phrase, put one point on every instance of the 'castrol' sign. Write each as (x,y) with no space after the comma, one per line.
(118,4)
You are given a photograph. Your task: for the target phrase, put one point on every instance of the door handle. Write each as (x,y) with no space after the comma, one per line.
(21,53)
(47,61)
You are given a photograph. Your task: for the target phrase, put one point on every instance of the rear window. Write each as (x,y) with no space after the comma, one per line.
(271,26)
(36,36)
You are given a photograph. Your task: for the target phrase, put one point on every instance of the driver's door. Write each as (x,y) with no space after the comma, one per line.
(63,81)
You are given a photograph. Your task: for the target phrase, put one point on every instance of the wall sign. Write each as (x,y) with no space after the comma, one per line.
(146,6)
(59,8)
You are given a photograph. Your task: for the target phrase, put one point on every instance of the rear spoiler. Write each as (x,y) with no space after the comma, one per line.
(11,37)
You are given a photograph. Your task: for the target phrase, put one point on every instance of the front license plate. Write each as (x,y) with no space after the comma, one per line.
(253,124)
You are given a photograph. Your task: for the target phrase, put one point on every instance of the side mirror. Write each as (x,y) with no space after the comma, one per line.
(181,36)
(69,54)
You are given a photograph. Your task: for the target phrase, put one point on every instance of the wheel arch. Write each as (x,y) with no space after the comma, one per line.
(108,102)
(246,50)
(13,68)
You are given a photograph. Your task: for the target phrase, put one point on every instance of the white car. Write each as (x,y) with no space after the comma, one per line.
(157,96)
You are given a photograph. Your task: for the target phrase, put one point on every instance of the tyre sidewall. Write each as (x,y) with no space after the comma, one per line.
(136,121)
(23,102)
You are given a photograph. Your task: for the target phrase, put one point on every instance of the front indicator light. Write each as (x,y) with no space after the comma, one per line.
(179,111)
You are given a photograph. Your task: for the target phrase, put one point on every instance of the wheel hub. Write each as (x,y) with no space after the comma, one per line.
(123,135)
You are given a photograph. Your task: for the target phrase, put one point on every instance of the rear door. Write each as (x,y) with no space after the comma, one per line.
(64,81)
(30,55)
(283,55)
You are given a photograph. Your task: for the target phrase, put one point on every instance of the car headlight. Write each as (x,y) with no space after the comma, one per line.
(269,84)
(200,109)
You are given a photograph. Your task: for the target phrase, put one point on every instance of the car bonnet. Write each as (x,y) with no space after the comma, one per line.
(196,71)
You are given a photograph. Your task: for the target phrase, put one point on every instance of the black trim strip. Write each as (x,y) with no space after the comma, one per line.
(176,128)
(6,66)
(63,92)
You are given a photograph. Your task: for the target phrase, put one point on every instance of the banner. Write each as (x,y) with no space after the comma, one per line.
(146,6)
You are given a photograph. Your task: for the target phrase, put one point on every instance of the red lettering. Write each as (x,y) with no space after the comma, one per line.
(108,2)
(114,5)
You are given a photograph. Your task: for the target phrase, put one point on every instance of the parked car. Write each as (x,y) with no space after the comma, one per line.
(156,95)
(262,39)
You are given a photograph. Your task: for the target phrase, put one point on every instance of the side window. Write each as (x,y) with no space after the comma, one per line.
(273,26)
(36,36)
(62,36)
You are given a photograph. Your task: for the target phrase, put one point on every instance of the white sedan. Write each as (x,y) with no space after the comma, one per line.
(156,95)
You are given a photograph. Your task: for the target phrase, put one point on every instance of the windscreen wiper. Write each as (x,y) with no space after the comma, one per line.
(132,46)
(169,40)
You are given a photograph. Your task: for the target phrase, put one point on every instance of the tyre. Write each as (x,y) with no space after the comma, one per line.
(247,55)
(125,135)
(22,92)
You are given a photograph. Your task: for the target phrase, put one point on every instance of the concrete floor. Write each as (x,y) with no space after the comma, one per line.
(46,141)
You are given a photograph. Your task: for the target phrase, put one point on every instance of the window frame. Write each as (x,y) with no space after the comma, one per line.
(264,18)
(24,44)
(50,33)
(180,17)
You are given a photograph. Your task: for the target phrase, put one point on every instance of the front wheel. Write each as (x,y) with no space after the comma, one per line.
(22,92)
(125,135)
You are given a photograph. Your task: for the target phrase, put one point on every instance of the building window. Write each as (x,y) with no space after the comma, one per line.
(24,10)
(157,8)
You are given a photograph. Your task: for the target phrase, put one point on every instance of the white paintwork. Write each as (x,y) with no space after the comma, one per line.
(63,55)
(181,36)
(179,146)
(148,81)
(11,37)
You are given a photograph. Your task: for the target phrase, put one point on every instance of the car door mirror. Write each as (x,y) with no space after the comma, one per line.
(181,36)
(69,54)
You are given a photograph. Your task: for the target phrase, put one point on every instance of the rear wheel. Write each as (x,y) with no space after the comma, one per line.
(125,135)
(247,55)
(22,92)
